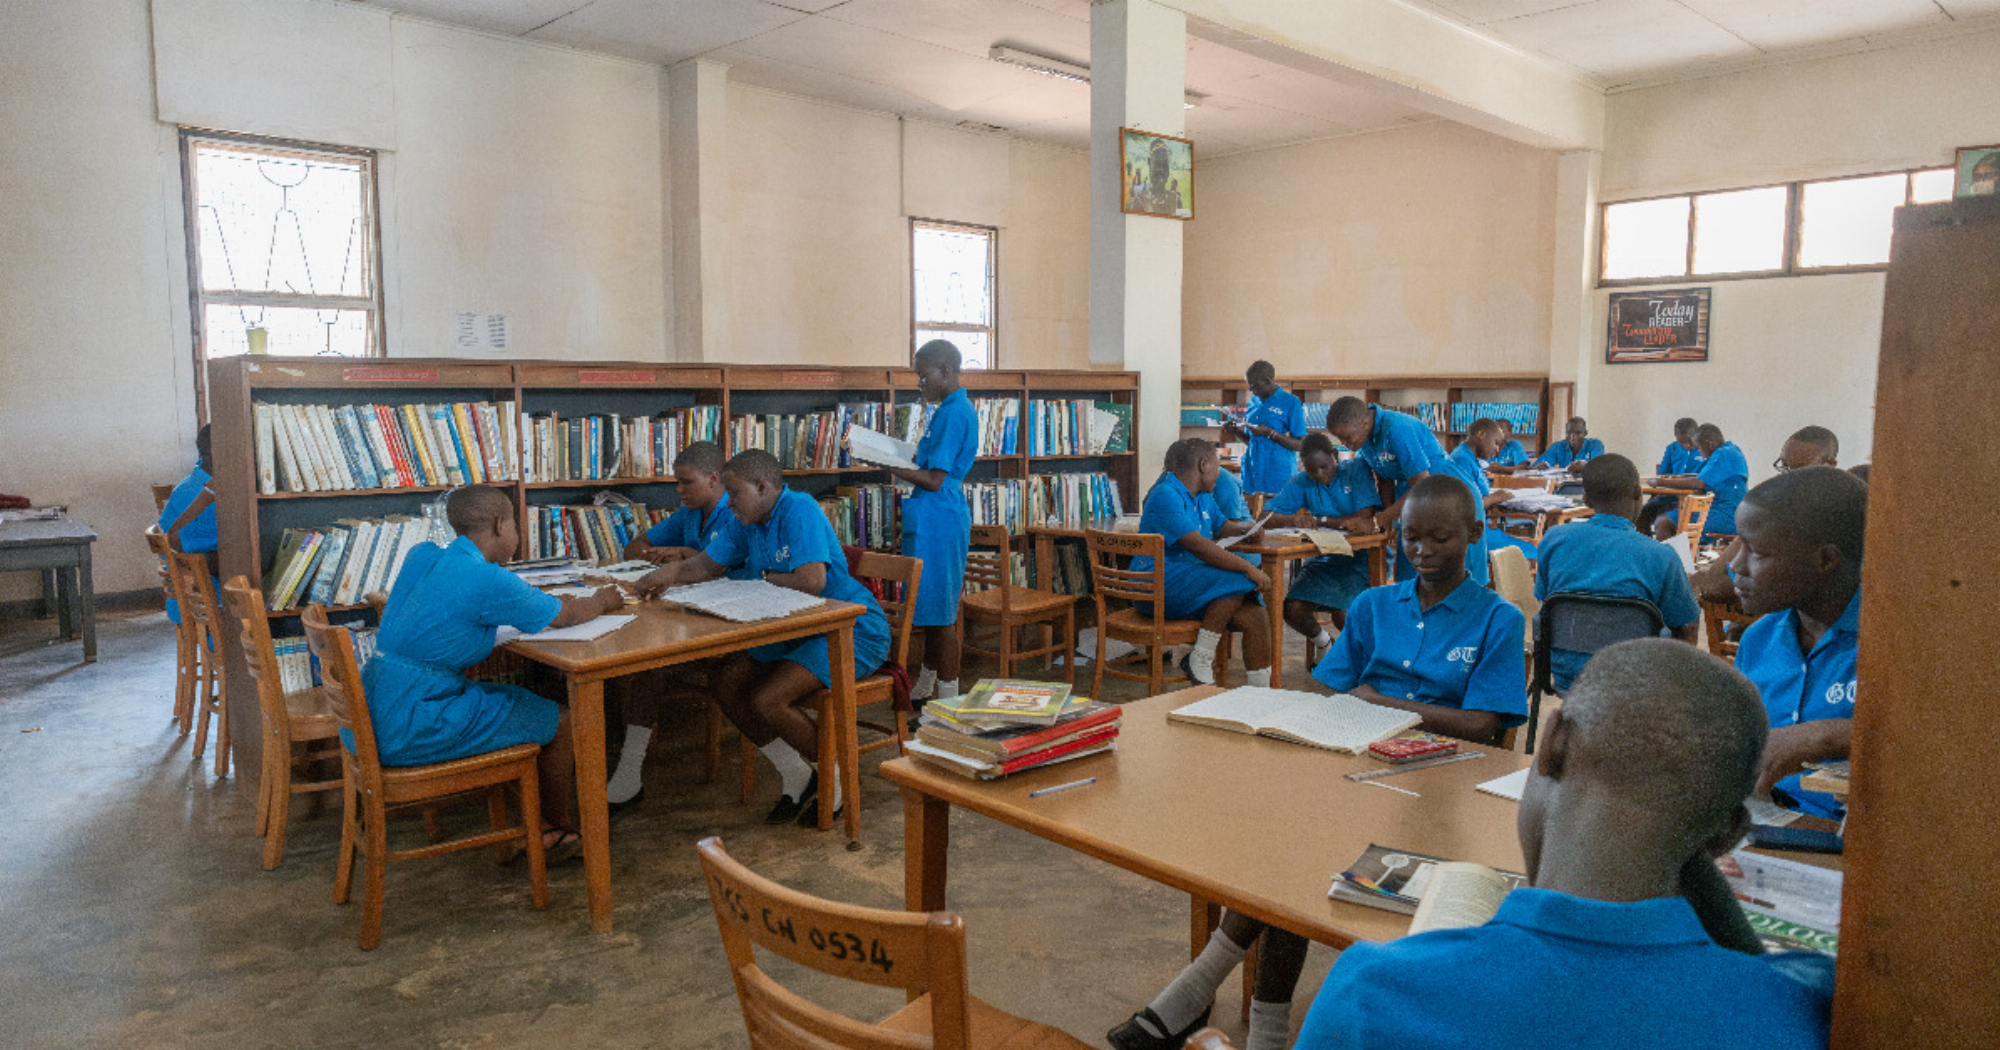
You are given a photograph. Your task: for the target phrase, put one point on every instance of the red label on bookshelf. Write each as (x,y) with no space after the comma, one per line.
(389,375)
(602,376)
(811,378)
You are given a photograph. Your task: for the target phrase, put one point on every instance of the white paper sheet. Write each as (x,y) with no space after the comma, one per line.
(589,630)
(1508,787)
(1231,541)
(742,601)
(1680,544)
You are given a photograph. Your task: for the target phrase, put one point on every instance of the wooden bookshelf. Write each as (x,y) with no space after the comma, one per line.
(250,522)
(1455,389)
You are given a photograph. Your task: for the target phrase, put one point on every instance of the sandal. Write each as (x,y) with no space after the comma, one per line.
(567,845)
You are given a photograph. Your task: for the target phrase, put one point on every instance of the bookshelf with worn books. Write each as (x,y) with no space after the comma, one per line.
(329,470)
(1447,403)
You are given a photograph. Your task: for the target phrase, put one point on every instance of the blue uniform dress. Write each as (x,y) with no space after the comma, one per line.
(1511,454)
(937,526)
(687,527)
(1229,502)
(1727,474)
(1606,555)
(1267,465)
(1679,459)
(1552,971)
(440,620)
(1561,455)
(795,535)
(1465,652)
(1329,581)
(1172,511)
(1803,688)
(1464,466)
(199,536)
(1399,448)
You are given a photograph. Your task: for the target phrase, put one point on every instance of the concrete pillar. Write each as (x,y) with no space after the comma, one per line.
(698,181)
(1576,340)
(1138,66)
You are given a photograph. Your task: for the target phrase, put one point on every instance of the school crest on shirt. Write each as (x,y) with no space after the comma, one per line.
(782,554)
(1463,654)
(1840,693)
(1383,456)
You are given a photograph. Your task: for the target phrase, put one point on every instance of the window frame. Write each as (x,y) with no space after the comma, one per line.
(991,329)
(199,299)
(1794,223)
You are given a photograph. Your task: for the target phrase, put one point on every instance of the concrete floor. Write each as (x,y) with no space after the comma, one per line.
(134,911)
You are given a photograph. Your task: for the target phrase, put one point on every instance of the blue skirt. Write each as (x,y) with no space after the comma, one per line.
(426,714)
(1330,581)
(871,647)
(1192,586)
(934,535)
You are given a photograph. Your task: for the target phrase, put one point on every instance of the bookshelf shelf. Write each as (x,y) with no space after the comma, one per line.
(415,490)
(1508,387)
(598,483)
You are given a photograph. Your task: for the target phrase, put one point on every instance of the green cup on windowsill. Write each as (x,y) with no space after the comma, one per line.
(258,338)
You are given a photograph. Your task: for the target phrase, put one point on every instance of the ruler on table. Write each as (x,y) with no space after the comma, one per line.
(1411,767)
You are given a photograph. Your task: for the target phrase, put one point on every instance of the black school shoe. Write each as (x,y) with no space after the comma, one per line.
(788,809)
(1134,1036)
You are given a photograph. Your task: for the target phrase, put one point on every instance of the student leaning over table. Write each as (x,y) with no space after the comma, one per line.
(1395,446)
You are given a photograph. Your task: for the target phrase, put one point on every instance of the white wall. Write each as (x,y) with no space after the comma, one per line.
(1785,352)
(1425,250)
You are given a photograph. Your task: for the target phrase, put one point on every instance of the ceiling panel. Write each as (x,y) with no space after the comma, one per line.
(512,17)
(665,31)
(938,75)
(1235,121)
(1217,70)
(1970,8)
(1480,12)
(1774,25)
(1072,130)
(1622,39)
(973,26)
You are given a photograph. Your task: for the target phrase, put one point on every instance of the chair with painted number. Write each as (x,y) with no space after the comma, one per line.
(294,722)
(991,597)
(921,953)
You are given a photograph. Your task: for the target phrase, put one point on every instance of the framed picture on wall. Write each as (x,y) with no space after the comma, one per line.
(1978,172)
(1158,176)
(1667,324)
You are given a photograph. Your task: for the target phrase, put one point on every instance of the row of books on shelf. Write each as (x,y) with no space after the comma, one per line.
(298,668)
(609,445)
(1521,415)
(1078,428)
(598,532)
(1005,726)
(808,441)
(1429,413)
(328,448)
(341,563)
(864,515)
(867,515)
(1216,415)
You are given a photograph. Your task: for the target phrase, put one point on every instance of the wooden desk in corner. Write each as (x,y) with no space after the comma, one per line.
(662,636)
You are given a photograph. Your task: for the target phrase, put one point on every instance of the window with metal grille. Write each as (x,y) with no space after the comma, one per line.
(951,288)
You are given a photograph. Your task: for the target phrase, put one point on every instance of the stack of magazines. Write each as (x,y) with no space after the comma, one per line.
(1003,726)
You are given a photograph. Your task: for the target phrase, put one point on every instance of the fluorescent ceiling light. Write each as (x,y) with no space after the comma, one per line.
(1057,68)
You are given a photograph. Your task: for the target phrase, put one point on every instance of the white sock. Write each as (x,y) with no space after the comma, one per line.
(1202,660)
(625,782)
(1260,677)
(793,769)
(1270,1026)
(1322,639)
(1184,998)
(926,686)
(947,689)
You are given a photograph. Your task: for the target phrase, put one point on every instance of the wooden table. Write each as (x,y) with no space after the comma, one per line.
(1277,555)
(60,549)
(1248,823)
(664,635)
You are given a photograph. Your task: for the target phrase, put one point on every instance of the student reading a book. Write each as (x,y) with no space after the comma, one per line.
(1798,568)
(1439,646)
(1605,555)
(701,517)
(937,525)
(1628,936)
(1205,581)
(1398,448)
(1512,456)
(1575,449)
(1724,471)
(439,620)
(1273,428)
(1681,457)
(1325,494)
(1228,501)
(188,518)
(1466,463)
(784,537)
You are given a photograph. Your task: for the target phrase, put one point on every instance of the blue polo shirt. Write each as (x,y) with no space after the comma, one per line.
(1556,971)
(1727,474)
(1267,465)
(199,535)
(1172,511)
(1510,454)
(1803,687)
(1351,491)
(1400,447)
(1464,466)
(1607,555)
(1679,459)
(1561,455)
(1463,652)
(795,535)
(687,527)
(1228,498)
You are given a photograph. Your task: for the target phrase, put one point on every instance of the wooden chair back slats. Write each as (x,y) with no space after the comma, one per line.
(260,656)
(986,562)
(161,494)
(340,679)
(201,617)
(1694,514)
(1254,503)
(777,1019)
(1716,619)
(902,573)
(1111,581)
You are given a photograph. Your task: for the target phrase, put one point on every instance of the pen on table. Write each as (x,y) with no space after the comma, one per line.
(1039,792)
(1391,787)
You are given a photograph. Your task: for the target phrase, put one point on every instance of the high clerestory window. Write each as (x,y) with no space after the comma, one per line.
(952,267)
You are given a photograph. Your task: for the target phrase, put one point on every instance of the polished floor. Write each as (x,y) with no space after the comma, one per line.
(134,912)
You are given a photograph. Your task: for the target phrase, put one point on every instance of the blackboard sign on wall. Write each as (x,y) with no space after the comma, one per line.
(1670,324)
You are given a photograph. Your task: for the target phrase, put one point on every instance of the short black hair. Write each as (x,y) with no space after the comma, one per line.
(1347,411)
(942,352)
(1187,453)
(755,464)
(204,449)
(1609,477)
(1685,426)
(701,455)
(1819,505)
(1260,368)
(1820,438)
(1577,421)
(472,508)
(1709,432)
(1482,425)
(1446,488)
(1317,441)
(1859,470)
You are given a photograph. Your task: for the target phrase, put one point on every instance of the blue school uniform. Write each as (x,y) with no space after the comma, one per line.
(795,535)
(1464,466)
(1267,465)
(1229,503)
(1464,652)
(937,526)
(1172,511)
(1399,448)
(199,535)
(1795,690)
(1561,455)
(1727,474)
(1607,555)
(1679,459)
(1553,971)
(1511,454)
(440,620)
(1329,581)
(688,527)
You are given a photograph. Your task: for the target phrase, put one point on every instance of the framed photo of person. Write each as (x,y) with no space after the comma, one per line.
(1158,175)
(1978,172)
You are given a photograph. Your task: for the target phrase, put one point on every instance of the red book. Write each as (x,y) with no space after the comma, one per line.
(1411,746)
(1009,747)
(1049,754)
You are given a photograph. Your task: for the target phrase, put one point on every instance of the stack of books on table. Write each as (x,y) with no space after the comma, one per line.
(1004,726)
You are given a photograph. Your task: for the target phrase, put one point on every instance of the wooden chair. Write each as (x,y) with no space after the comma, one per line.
(1254,503)
(187,649)
(369,789)
(1153,632)
(923,954)
(840,747)
(1694,515)
(1716,619)
(990,597)
(161,494)
(293,722)
(1510,481)
(1514,580)
(202,618)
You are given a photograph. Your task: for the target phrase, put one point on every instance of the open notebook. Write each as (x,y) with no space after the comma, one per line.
(1337,723)
(876,447)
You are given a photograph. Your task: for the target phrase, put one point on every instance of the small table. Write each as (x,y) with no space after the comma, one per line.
(60,549)
(1277,555)
(664,635)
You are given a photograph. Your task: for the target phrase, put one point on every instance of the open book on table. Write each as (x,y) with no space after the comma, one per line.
(1327,541)
(1439,894)
(1337,723)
